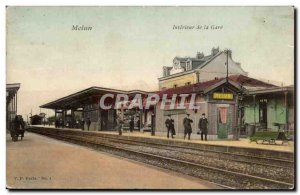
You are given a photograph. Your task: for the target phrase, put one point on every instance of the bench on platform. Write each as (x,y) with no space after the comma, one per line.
(269,136)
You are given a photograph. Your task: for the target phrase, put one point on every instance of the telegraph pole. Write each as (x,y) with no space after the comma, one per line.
(226,51)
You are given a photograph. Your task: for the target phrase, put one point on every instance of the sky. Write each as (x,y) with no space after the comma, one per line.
(128,46)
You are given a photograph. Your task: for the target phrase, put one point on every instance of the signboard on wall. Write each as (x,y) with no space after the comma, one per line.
(174,112)
(223,96)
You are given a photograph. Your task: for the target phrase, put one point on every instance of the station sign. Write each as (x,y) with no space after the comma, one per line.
(223,96)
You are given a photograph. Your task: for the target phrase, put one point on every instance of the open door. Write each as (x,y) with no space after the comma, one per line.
(224,121)
(263,114)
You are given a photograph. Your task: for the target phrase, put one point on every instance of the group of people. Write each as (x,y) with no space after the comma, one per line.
(17,128)
(59,123)
(202,125)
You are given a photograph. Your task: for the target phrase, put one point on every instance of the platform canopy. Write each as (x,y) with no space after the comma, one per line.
(81,98)
(272,90)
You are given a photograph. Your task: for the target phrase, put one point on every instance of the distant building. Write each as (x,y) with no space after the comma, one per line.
(11,102)
(188,70)
(37,119)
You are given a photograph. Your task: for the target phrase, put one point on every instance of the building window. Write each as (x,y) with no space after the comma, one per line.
(175,85)
(188,83)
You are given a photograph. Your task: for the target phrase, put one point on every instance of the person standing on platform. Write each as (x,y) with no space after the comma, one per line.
(61,123)
(88,123)
(131,124)
(56,123)
(138,124)
(15,126)
(187,126)
(203,126)
(120,123)
(22,127)
(170,126)
(82,124)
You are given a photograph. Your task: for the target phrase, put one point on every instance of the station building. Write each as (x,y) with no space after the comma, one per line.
(233,108)
(234,105)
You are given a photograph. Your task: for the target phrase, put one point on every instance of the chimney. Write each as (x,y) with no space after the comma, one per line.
(166,71)
(199,55)
(214,51)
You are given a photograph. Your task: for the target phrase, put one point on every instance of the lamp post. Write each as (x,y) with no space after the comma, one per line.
(30,116)
(152,124)
(121,120)
(239,114)
(254,114)
(44,120)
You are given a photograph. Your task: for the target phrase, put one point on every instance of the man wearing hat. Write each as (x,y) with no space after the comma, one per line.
(170,126)
(203,126)
(187,126)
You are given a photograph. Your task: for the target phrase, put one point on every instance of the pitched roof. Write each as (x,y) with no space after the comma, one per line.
(74,100)
(241,80)
(189,88)
(249,82)
(197,62)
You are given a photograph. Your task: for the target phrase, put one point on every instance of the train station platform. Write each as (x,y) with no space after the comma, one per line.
(241,143)
(39,162)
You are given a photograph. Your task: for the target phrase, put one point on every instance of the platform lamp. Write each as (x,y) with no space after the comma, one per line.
(152,124)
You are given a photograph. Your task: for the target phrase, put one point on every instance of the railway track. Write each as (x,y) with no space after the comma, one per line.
(281,173)
(133,150)
(270,162)
(243,158)
(257,169)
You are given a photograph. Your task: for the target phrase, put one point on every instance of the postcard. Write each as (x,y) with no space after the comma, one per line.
(150,98)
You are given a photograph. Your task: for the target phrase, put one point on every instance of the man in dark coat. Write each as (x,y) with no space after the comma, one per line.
(15,126)
(61,123)
(88,123)
(187,126)
(170,126)
(82,124)
(120,123)
(131,124)
(203,126)
(22,127)
(138,123)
